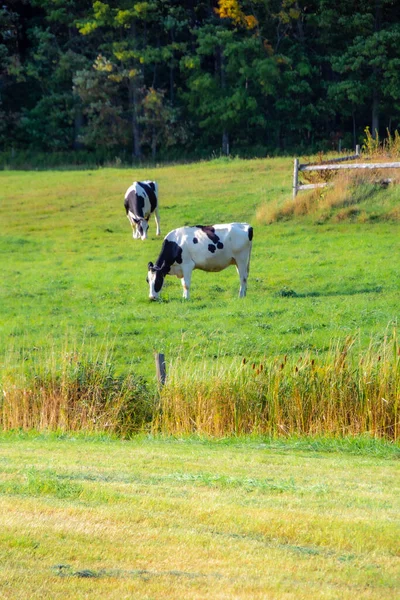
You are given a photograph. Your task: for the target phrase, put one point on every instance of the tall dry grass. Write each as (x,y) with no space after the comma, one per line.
(336,395)
(342,393)
(345,190)
(74,391)
(338,201)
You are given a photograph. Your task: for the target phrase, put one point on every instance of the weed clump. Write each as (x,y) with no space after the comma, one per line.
(335,395)
(338,394)
(75,393)
(349,194)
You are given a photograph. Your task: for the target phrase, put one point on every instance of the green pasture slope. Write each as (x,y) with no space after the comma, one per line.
(162,518)
(189,518)
(73,277)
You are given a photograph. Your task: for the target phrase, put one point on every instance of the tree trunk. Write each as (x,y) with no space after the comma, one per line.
(172,75)
(225,142)
(375,115)
(153,145)
(300,27)
(225,135)
(171,83)
(376,75)
(134,102)
(78,124)
(136,150)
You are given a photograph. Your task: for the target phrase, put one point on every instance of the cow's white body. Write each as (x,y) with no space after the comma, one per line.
(141,200)
(210,248)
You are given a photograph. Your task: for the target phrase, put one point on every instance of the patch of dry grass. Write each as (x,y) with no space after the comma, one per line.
(336,395)
(345,198)
(73,391)
(344,188)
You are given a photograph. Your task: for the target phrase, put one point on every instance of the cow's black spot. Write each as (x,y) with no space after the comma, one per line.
(134,203)
(210,232)
(170,252)
(195,241)
(220,245)
(211,248)
(250,233)
(159,281)
(150,188)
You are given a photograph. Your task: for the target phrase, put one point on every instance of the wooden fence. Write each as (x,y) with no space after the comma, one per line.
(332,166)
(161,369)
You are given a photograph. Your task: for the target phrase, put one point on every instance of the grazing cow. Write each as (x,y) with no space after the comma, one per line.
(141,199)
(211,248)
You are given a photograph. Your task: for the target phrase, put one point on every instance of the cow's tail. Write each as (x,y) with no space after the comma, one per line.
(250,233)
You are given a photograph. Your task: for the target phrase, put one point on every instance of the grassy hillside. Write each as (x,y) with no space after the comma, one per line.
(152,518)
(73,277)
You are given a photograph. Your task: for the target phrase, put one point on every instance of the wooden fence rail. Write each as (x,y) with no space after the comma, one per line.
(332,166)
(392,165)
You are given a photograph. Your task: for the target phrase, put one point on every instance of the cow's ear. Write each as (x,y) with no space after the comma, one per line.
(150,265)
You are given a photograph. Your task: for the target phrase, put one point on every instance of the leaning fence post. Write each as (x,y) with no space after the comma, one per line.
(295,177)
(160,368)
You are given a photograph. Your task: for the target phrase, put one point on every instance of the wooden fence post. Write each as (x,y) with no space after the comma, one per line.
(160,368)
(358,150)
(295,177)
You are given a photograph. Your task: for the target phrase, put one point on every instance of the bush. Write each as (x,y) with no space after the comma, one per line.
(73,394)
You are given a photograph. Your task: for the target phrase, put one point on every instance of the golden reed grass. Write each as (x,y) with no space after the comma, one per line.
(335,396)
(338,394)
(74,392)
(339,201)
(347,190)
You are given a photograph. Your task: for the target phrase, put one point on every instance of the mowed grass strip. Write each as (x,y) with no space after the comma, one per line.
(147,518)
(72,273)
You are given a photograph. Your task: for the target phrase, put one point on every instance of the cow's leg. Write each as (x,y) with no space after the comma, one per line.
(135,233)
(157,219)
(131,224)
(136,230)
(186,279)
(243,267)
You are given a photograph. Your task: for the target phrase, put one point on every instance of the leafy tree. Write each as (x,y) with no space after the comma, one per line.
(145,76)
(364,41)
(102,106)
(229,76)
(139,40)
(11,78)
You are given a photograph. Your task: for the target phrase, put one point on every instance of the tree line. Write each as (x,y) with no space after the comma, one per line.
(169,79)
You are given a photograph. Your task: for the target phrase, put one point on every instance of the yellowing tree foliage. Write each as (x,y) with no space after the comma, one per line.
(230,9)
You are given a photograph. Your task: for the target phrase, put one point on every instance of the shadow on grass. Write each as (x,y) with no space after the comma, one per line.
(288,293)
(67,571)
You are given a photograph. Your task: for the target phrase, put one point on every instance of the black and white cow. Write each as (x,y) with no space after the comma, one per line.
(141,200)
(211,248)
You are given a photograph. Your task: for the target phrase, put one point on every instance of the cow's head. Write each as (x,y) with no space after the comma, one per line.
(141,228)
(155,279)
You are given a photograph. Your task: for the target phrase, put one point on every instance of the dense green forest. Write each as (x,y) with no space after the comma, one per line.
(167,79)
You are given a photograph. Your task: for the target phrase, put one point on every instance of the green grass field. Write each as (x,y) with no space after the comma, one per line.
(164,518)
(154,517)
(72,277)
